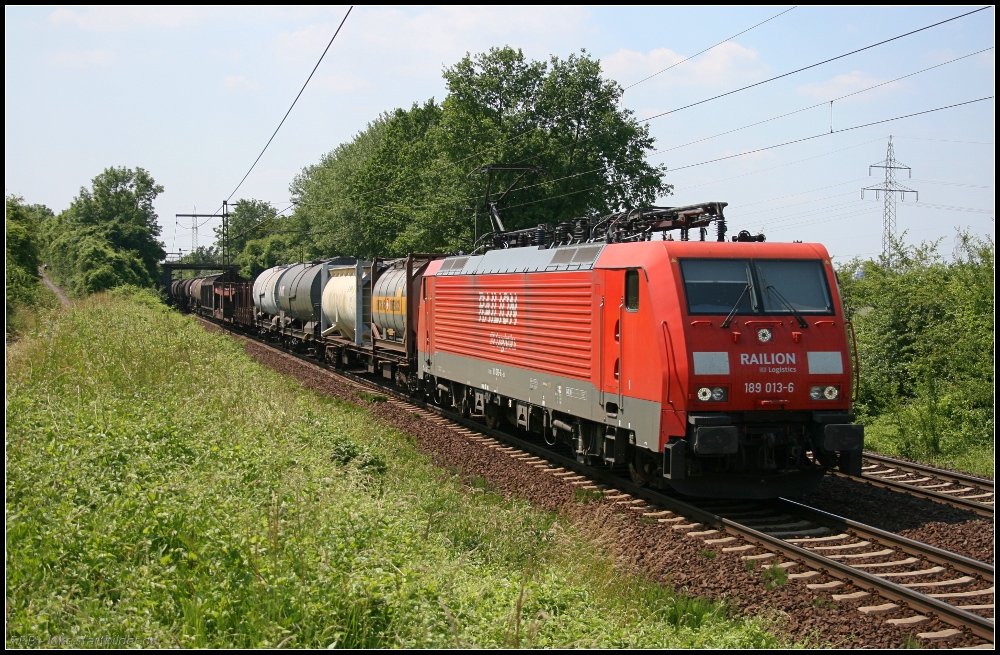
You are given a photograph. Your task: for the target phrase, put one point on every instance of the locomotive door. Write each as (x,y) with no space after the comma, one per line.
(620,356)
(611,314)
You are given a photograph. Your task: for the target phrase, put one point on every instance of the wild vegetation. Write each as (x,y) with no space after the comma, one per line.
(162,486)
(107,236)
(925,330)
(24,290)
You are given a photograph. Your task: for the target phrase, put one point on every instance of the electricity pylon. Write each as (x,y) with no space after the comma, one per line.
(889,189)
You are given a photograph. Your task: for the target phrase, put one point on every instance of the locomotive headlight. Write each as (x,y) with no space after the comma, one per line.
(714,394)
(824,392)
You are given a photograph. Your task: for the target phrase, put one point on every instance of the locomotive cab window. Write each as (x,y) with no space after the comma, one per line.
(716,286)
(758,286)
(798,284)
(632,290)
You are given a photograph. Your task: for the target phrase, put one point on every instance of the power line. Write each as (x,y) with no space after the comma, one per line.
(920,138)
(804,202)
(805,68)
(801,193)
(975,210)
(791,163)
(772,147)
(971,186)
(822,134)
(707,49)
(293,103)
(708,138)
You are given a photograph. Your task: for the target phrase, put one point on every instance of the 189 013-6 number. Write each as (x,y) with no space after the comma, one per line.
(770,387)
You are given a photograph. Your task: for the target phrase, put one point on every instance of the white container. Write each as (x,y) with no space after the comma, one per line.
(265,290)
(341,302)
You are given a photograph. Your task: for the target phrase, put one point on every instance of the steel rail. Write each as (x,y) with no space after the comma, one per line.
(898,541)
(914,467)
(980,626)
(982,509)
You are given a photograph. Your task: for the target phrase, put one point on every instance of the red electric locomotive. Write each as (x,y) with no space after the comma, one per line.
(716,368)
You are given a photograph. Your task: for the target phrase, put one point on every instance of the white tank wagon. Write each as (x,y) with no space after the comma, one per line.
(342,302)
(265,290)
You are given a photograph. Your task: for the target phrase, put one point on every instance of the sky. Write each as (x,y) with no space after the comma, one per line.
(192,94)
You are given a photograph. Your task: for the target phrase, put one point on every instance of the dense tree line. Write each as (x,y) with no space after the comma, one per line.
(107,236)
(22,256)
(925,330)
(409,182)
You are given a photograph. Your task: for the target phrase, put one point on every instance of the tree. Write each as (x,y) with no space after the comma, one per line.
(107,236)
(21,253)
(200,255)
(408,182)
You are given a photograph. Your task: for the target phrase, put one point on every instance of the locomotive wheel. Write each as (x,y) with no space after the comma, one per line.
(493,416)
(641,470)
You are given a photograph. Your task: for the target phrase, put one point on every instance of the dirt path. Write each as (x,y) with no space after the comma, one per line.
(63,298)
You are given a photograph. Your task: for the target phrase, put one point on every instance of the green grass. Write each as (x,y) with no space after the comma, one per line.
(161,485)
(586,496)
(774,576)
(930,434)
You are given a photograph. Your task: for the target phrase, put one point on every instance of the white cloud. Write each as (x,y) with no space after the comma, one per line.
(82,58)
(842,85)
(119,19)
(728,63)
(422,40)
(239,83)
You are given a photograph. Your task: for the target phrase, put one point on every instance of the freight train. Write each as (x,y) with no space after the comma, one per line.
(716,368)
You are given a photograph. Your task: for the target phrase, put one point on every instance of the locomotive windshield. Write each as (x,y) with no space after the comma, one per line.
(759,286)
(714,286)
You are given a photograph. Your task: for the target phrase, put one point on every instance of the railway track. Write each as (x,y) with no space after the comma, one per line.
(948,487)
(908,582)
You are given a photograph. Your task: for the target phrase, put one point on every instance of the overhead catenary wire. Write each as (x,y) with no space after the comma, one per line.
(726,40)
(786,143)
(467,199)
(820,63)
(299,95)
(780,116)
(819,104)
(454,202)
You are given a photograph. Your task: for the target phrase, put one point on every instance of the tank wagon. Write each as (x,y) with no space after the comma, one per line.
(718,368)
